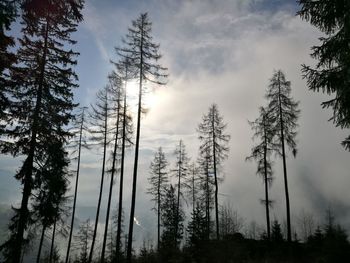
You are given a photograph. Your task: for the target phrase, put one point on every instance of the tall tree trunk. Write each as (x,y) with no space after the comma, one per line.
(41,244)
(216,181)
(193,195)
(158,210)
(289,234)
(120,203)
(134,182)
(111,184)
(207,200)
(76,189)
(178,192)
(28,164)
(101,189)
(266,187)
(53,241)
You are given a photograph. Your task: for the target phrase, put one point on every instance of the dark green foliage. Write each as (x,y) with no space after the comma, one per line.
(331,74)
(284,113)
(172,222)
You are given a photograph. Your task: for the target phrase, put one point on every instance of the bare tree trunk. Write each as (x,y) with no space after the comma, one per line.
(216,182)
(134,182)
(76,189)
(53,241)
(266,188)
(41,244)
(101,189)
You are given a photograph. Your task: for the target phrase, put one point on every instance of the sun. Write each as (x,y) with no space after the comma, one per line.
(149,96)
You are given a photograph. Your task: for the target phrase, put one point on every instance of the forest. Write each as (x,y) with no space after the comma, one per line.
(55,136)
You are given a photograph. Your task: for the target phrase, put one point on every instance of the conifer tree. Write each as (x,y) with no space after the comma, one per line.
(172,221)
(116,98)
(79,128)
(261,153)
(99,116)
(43,79)
(331,73)
(192,184)
(158,182)
(143,55)
(284,113)
(83,239)
(181,171)
(213,139)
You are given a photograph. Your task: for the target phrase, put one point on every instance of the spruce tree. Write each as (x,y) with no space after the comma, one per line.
(83,239)
(158,181)
(143,55)
(214,140)
(41,105)
(284,113)
(331,73)
(261,153)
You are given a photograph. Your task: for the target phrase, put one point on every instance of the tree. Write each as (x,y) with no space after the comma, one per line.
(276,233)
(191,184)
(83,239)
(181,171)
(79,127)
(213,139)
(261,153)
(158,182)
(331,74)
(124,72)
(99,117)
(172,221)
(230,221)
(196,228)
(284,113)
(143,55)
(42,102)
(116,94)
(51,184)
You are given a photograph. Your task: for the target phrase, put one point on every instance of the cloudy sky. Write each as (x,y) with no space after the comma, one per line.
(224,52)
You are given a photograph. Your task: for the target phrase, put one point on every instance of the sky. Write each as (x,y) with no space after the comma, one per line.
(223,52)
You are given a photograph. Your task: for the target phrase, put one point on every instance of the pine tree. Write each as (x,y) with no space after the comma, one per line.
(181,172)
(197,227)
(276,233)
(79,128)
(261,153)
(51,184)
(284,113)
(172,221)
(158,182)
(331,74)
(83,239)
(99,116)
(42,102)
(213,139)
(143,55)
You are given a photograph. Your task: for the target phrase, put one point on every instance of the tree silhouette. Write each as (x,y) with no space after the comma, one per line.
(99,117)
(158,182)
(42,79)
(79,127)
(331,74)
(181,172)
(83,239)
(261,153)
(284,113)
(213,139)
(143,55)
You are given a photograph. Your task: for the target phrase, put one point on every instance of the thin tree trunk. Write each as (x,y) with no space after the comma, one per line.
(111,183)
(207,200)
(289,234)
(178,192)
(134,182)
(28,164)
(216,181)
(76,188)
(120,204)
(266,186)
(193,195)
(53,241)
(101,189)
(158,210)
(41,244)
